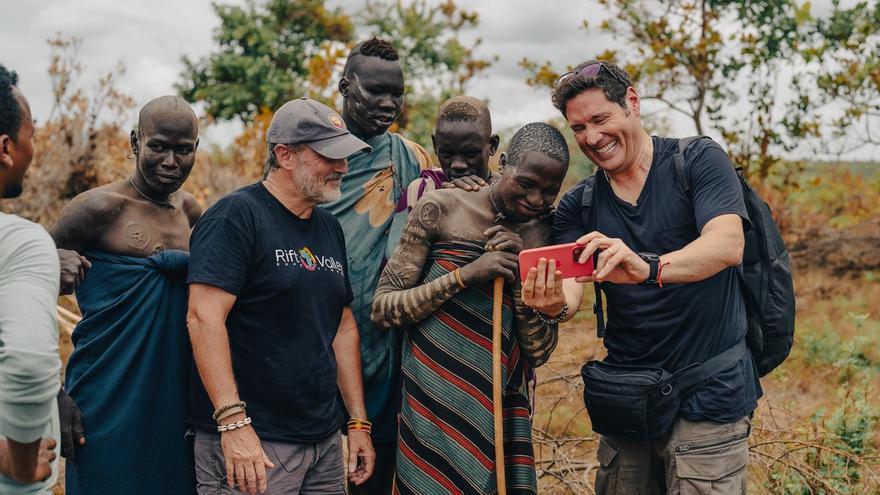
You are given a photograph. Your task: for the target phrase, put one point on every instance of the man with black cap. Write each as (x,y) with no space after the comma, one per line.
(272,332)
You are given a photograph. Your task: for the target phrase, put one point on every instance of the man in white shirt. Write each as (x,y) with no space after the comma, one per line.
(29,361)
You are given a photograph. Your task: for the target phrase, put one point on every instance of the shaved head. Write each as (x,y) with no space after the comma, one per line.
(164,145)
(537,136)
(167,109)
(466,109)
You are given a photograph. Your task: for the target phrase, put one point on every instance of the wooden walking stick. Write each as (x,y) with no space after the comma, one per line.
(497,295)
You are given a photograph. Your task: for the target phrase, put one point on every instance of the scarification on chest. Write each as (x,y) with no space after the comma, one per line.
(137,235)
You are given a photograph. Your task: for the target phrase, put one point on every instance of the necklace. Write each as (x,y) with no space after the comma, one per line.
(499,215)
(166,204)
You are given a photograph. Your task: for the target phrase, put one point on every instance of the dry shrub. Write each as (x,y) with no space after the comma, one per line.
(814,432)
(82,145)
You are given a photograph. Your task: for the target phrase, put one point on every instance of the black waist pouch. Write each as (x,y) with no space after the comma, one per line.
(642,403)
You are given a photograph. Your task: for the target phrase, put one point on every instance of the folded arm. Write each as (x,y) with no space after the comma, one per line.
(398,301)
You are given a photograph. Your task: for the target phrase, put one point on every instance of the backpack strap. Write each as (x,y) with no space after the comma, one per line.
(588,200)
(692,376)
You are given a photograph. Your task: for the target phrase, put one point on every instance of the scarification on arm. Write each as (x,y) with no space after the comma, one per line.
(398,301)
(536,338)
(85,220)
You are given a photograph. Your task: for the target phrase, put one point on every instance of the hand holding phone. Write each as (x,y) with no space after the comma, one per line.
(565,255)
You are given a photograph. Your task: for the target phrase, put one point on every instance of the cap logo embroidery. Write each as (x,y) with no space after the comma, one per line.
(336,121)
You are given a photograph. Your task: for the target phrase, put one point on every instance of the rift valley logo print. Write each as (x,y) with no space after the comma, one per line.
(304,258)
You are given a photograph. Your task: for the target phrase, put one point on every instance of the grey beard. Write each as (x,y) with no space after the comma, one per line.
(314,188)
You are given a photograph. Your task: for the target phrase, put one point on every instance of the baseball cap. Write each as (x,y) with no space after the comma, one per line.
(314,124)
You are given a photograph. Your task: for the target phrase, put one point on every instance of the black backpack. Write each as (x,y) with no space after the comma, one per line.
(765,274)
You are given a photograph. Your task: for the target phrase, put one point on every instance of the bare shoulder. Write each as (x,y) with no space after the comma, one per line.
(450,196)
(87,216)
(191,206)
(105,201)
(430,209)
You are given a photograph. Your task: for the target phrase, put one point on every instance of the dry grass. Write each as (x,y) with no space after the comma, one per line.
(791,450)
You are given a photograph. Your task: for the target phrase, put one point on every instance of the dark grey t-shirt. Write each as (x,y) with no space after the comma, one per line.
(291,281)
(679,324)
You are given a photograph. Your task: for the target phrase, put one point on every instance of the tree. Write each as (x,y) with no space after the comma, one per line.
(83,143)
(268,53)
(679,56)
(843,57)
(272,52)
(436,62)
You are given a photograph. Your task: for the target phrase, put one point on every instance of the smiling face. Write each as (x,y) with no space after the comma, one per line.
(528,189)
(372,92)
(166,150)
(609,135)
(463,148)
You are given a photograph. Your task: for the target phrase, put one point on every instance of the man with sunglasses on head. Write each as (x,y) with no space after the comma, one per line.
(666,261)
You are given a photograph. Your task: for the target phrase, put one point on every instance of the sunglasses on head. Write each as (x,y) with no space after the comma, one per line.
(590,70)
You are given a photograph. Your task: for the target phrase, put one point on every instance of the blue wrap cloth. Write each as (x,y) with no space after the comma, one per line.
(129,374)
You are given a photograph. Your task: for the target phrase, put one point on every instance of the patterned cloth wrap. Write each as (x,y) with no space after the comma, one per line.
(446,442)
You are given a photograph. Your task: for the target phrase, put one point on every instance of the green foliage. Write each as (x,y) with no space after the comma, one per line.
(835,462)
(834,194)
(844,51)
(272,51)
(835,356)
(263,56)
(437,64)
(678,55)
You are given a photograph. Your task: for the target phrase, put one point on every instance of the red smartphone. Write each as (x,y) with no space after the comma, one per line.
(566,256)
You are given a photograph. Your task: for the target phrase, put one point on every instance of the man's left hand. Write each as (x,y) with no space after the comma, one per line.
(72,432)
(468,183)
(74,267)
(361,457)
(542,289)
(503,239)
(617,263)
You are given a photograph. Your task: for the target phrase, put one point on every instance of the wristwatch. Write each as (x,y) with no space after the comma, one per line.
(653,262)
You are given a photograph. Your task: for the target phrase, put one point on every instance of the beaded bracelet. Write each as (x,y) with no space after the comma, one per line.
(234,426)
(552,321)
(227,407)
(355,424)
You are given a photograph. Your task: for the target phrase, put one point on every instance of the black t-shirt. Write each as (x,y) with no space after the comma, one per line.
(679,324)
(290,279)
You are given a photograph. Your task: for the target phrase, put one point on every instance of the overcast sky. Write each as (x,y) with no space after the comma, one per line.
(151,36)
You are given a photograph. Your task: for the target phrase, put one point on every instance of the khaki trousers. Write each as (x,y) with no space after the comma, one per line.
(300,468)
(698,458)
